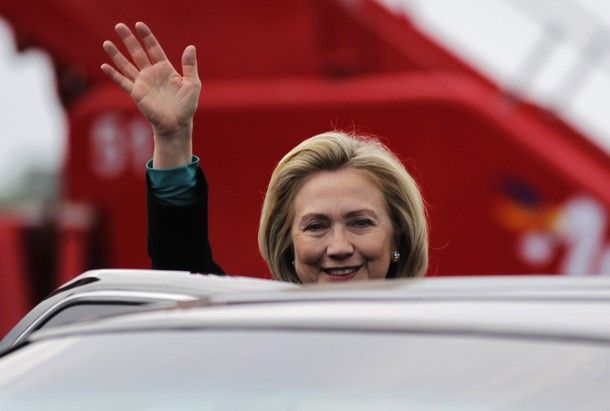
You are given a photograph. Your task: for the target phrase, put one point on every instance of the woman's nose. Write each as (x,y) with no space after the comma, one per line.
(339,245)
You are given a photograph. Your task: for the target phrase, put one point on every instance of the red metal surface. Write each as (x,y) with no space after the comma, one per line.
(15,299)
(236,40)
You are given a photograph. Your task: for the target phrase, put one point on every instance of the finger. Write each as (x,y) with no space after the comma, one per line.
(120,61)
(152,46)
(119,79)
(189,63)
(133,46)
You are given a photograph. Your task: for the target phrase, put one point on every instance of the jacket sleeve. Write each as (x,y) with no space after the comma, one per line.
(178,235)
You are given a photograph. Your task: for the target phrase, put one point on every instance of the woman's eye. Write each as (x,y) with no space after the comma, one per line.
(362,223)
(316,226)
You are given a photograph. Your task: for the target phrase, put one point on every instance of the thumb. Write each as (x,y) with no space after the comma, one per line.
(189,63)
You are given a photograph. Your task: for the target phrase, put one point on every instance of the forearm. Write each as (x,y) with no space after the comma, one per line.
(178,234)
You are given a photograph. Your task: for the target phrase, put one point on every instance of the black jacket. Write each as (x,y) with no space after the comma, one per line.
(178,235)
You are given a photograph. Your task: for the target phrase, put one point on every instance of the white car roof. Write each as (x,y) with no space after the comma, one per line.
(545,307)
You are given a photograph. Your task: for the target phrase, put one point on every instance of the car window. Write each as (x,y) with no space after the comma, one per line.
(299,370)
(87,310)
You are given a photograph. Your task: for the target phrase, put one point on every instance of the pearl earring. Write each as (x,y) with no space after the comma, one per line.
(395,256)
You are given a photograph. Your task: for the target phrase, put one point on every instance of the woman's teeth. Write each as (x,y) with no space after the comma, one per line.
(341,271)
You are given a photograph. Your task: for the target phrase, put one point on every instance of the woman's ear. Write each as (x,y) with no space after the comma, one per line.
(397,241)
(289,255)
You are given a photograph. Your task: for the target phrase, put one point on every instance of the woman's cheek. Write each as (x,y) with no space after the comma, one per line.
(308,249)
(307,260)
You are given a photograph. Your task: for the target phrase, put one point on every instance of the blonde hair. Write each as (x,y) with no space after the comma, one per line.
(332,151)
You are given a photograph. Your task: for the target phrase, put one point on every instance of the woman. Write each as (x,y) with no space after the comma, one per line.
(337,207)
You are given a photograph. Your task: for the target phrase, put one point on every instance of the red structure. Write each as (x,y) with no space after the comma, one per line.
(510,188)
(15,298)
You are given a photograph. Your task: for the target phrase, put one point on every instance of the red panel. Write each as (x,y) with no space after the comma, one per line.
(261,39)
(14,294)
(109,145)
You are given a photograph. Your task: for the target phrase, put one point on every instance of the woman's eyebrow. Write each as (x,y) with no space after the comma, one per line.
(351,214)
(360,212)
(312,216)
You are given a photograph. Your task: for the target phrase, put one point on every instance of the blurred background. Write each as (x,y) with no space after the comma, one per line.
(499,108)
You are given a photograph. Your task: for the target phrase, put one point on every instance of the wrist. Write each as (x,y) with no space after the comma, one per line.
(173,149)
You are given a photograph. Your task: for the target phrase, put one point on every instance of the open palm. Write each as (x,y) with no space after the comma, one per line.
(167,99)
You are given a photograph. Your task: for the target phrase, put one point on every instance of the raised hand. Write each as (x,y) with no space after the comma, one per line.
(167,99)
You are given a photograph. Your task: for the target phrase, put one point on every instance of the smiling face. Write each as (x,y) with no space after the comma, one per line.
(341,229)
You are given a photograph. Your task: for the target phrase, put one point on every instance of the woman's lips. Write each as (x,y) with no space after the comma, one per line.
(341,273)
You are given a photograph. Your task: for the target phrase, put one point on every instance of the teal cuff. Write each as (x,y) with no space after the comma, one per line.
(174,186)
